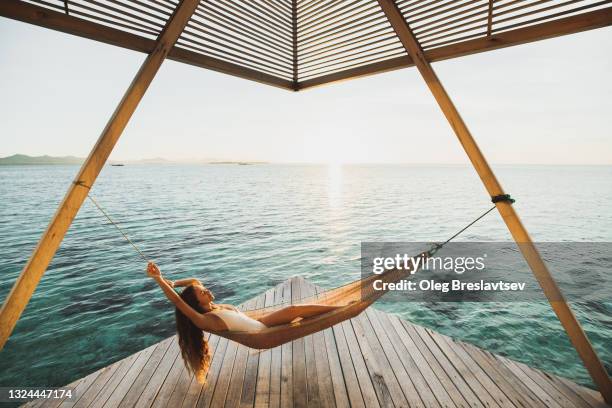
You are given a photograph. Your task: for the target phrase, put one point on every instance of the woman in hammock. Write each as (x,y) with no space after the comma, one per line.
(195,312)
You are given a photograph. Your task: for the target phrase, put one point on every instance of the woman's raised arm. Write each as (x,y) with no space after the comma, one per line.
(187,310)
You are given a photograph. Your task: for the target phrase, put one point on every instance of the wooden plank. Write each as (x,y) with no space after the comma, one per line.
(110,385)
(298,358)
(232,368)
(159,389)
(374,393)
(181,388)
(508,388)
(329,371)
(78,386)
(26,283)
(276,359)
(381,344)
(247,398)
(213,374)
(592,397)
(144,376)
(227,370)
(234,390)
(349,375)
(105,375)
(533,386)
(225,375)
(44,17)
(195,389)
(286,397)
(563,26)
(312,379)
(530,398)
(164,395)
(463,358)
(574,397)
(461,377)
(387,389)
(262,388)
(518,231)
(547,386)
(427,384)
(120,390)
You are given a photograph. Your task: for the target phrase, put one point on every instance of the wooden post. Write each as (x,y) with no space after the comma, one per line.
(519,233)
(25,285)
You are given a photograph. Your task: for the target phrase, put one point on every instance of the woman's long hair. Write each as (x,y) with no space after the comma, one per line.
(194,347)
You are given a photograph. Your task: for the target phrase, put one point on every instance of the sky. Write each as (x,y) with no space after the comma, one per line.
(548,102)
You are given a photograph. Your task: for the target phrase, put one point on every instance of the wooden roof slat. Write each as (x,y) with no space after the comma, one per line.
(346,36)
(251,17)
(373,52)
(340,49)
(567,25)
(231,58)
(383,33)
(320,41)
(322,18)
(235,26)
(237,36)
(363,19)
(247,23)
(321,27)
(430,42)
(228,46)
(306,11)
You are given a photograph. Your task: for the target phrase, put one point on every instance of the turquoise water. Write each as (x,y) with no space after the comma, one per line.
(241,229)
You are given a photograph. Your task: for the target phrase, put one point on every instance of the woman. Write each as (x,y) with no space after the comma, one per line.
(195,312)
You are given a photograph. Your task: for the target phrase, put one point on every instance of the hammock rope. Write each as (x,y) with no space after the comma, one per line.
(435,247)
(351,298)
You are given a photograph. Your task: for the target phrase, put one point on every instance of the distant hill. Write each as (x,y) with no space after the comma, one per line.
(25,159)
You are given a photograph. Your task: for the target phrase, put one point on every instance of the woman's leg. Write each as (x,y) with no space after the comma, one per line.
(290,313)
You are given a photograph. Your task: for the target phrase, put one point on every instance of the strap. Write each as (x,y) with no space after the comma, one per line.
(502,198)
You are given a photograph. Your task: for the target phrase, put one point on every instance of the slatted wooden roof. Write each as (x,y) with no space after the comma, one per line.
(297,44)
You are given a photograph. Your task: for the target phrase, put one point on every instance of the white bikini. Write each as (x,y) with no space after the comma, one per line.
(237,321)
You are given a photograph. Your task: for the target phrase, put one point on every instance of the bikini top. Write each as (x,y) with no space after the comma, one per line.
(237,321)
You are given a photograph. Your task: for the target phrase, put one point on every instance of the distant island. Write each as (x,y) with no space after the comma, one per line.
(23,159)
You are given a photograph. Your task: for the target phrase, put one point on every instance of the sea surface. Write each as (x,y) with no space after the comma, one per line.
(243,228)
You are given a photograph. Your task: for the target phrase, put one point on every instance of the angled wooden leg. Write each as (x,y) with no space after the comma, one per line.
(26,283)
(519,233)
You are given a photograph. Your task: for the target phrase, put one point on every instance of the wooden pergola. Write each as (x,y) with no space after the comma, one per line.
(296,45)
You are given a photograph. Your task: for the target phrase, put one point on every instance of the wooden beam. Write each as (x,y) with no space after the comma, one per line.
(519,233)
(563,26)
(33,271)
(490,19)
(33,14)
(294,25)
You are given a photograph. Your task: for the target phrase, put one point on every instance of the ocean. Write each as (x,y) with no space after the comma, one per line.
(243,228)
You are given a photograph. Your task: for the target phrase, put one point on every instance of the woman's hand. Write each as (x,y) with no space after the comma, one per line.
(153,271)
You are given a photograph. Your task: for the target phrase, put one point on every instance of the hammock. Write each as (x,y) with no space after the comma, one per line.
(353,298)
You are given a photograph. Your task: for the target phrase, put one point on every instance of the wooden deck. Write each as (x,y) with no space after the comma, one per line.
(373,360)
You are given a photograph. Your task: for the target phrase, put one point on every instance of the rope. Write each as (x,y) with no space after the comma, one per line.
(494,199)
(118,228)
(433,250)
